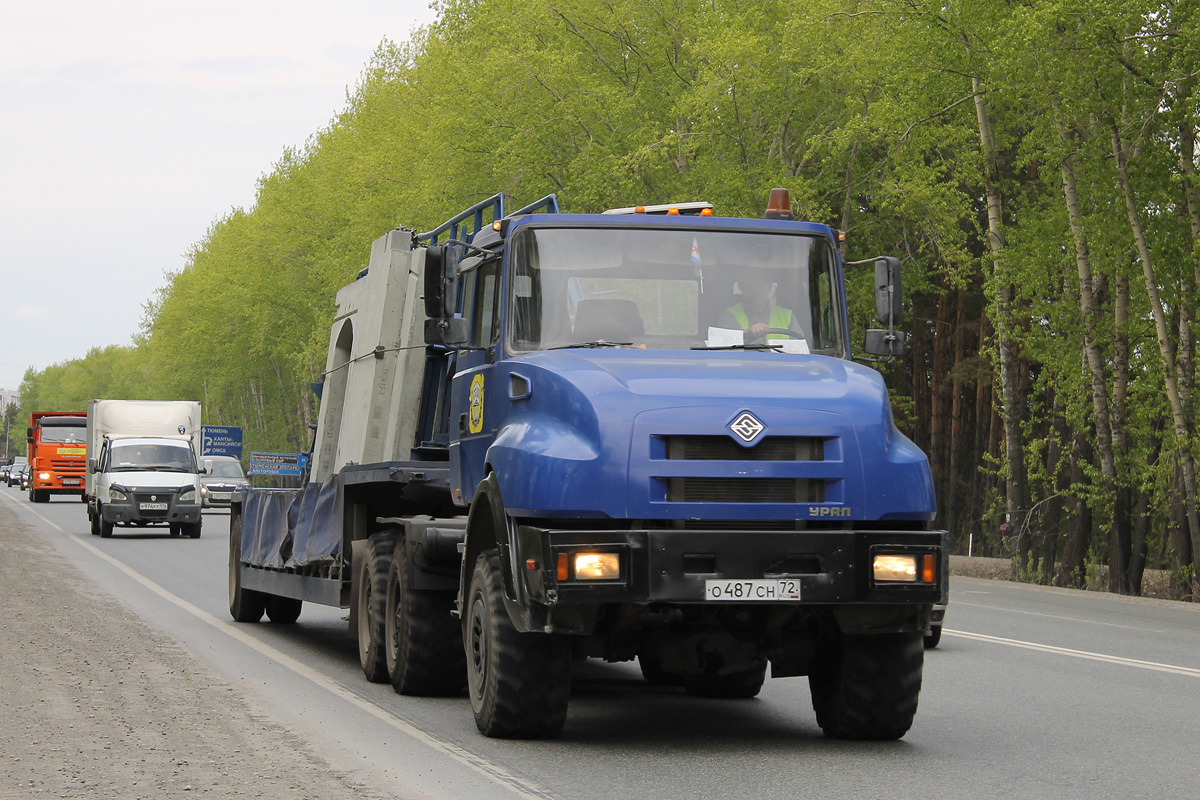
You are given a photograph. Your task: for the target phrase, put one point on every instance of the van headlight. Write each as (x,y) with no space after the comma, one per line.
(188,497)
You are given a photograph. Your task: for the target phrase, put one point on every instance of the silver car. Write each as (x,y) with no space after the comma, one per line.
(223,475)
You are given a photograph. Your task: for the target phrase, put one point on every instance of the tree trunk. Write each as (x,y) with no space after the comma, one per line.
(1014,448)
(1170,367)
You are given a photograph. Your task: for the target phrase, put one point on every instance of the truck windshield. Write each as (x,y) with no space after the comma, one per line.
(673,289)
(152,458)
(63,434)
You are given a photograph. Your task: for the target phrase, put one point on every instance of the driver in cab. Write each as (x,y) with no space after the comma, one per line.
(756,315)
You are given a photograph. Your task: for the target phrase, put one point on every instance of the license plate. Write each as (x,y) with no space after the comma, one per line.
(70,483)
(756,590)
(152,506)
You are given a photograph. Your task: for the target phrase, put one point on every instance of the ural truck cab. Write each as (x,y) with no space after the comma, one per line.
(631,435)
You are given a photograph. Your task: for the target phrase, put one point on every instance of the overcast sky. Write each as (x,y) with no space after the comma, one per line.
(127,127)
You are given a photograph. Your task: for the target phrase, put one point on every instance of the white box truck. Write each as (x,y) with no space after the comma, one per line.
(142,467)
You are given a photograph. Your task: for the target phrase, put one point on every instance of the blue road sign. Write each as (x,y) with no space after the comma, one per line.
(220,440)
(278,463)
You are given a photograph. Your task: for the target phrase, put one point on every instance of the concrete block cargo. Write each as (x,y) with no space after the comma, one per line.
(636,435)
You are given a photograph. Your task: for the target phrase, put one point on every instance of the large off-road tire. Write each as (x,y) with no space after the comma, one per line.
(867,686)
(424,643)
(734,686)
(283,610)
(519,683)
(372,605)
(245,605)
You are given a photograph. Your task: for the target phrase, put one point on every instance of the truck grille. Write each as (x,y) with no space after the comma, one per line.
(745,490)
(723,448)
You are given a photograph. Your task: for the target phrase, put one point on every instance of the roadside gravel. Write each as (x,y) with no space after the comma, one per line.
(94,703)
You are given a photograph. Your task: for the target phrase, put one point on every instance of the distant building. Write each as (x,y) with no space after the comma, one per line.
(9,397)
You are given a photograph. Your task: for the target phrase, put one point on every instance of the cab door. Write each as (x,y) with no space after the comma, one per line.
(473,405)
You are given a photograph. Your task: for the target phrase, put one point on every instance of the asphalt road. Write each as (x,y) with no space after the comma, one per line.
(1033,693)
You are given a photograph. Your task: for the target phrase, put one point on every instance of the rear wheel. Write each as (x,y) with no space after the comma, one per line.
(867,686)
(94,522)
(519,683)
(190,529)
(424,643)
(372,606)
(283,610)
(245,605)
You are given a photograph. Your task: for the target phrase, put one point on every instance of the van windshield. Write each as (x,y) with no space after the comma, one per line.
(672,289)
(152,458)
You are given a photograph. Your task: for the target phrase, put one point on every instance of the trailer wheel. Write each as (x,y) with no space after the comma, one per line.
(283,610)
(424,643)
(245,605)
(867,687)
(519,682)
(734,686)
(372,606)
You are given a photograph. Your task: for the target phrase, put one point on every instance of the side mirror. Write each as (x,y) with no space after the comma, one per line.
(884,343)
(447,331)
(91,465)
(888,308)
(438,301)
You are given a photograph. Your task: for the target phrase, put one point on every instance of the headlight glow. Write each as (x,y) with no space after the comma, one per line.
(43,476)
(597,566)
(895,568)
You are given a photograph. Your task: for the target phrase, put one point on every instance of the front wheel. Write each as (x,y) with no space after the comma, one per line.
(519,683)
(867,686)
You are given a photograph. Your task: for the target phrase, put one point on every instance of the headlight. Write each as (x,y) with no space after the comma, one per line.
(204,490)
(597,566)
(188,497)
(43,476)
(116,494)
(904,568)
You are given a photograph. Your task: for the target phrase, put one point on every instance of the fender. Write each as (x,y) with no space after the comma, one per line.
(488,527)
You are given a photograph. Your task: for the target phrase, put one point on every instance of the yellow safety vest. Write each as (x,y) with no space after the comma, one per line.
(780,318)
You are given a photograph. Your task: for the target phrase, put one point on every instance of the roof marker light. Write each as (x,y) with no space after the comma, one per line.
(779,206)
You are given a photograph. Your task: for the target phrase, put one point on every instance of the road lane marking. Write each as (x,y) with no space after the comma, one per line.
(1084,654)
(518,786)
(1059,616)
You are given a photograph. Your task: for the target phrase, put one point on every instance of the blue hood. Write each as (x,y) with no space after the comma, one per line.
(591,439)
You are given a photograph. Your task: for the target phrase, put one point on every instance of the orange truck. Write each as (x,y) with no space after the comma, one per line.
(57,453)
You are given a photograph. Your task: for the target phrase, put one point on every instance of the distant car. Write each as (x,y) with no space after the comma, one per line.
(15,473)
(224,476)
(26,477)
(4,471)
(935,626)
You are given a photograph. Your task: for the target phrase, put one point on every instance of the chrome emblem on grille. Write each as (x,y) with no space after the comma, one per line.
(746,427)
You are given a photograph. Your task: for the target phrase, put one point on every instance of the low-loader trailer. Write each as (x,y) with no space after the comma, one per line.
(545,437)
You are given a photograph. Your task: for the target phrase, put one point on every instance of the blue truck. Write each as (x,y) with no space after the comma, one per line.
(637,435)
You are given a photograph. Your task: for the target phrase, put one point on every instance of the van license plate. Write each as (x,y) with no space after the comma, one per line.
(152,506)
(756,590)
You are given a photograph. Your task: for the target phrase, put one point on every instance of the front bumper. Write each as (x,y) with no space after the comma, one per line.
(130,512)
(672,566)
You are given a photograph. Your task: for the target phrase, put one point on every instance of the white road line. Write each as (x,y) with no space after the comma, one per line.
(1059,616)
(518,786)
(1066,651)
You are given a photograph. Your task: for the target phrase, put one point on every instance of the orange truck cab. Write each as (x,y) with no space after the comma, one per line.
(57,453)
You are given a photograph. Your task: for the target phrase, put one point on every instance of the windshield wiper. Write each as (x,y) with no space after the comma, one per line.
(758,346)
(597,343)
